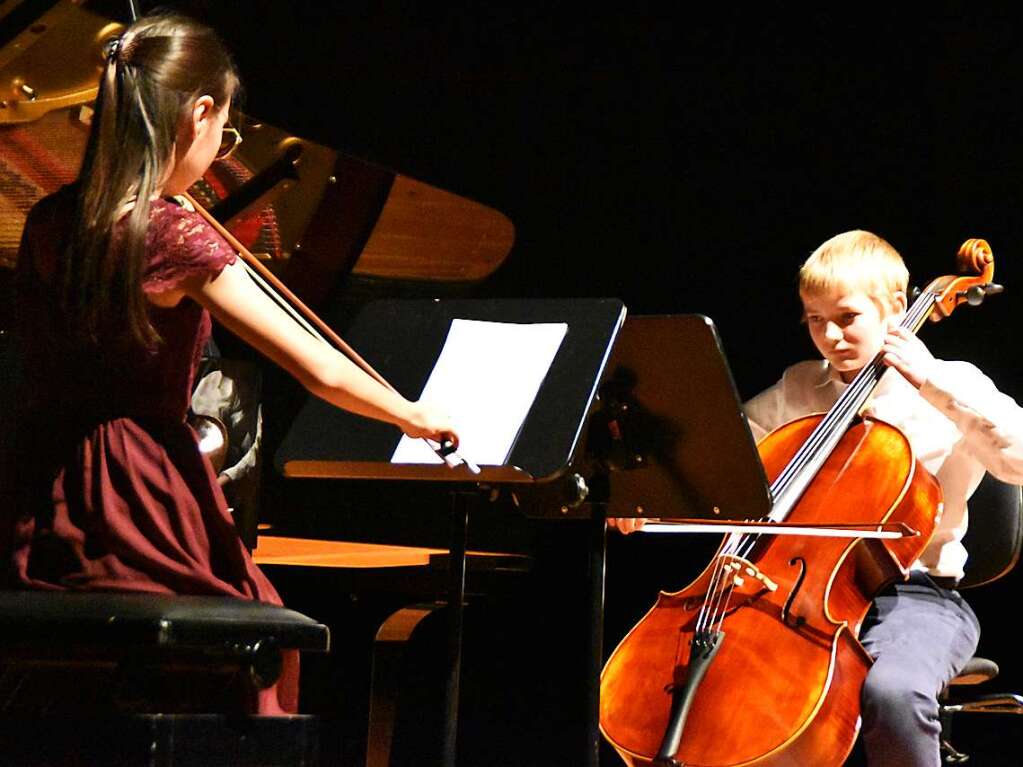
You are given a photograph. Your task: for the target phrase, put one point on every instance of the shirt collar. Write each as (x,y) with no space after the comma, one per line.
(831,377)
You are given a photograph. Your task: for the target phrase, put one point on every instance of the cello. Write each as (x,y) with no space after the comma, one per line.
(757,661)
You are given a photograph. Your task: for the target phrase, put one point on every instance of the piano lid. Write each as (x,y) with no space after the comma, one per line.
(315,214)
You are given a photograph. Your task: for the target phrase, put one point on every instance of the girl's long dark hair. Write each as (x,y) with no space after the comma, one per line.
(153,75)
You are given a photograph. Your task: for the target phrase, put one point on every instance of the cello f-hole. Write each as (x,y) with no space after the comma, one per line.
(799,620)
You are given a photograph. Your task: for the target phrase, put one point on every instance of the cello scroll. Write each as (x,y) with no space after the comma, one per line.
(976,265)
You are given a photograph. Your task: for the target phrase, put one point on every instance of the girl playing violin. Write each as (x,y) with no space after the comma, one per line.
(921,632)
(116,284)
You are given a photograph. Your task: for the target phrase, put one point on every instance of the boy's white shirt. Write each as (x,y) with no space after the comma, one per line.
(958,423)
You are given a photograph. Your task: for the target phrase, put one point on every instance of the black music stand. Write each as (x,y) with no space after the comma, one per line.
(401,340)
(681,446)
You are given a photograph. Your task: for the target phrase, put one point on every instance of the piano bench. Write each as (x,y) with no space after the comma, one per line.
(111,658)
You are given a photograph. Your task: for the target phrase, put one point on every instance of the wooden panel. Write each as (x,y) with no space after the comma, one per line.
(351,196)
(53,63)
(425,233)
(278,550)
(274,550)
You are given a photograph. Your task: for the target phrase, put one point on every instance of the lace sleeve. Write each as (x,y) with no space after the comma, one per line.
(180,244)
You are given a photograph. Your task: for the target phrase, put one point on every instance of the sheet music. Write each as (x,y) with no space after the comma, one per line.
(486,378)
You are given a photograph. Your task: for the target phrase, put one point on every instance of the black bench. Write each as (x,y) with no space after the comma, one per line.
(110,678)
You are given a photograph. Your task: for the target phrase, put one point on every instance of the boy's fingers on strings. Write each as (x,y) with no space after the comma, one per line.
(908,354)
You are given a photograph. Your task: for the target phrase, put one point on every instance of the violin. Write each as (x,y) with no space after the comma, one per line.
(757,661)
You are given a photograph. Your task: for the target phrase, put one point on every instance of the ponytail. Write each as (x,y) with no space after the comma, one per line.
(153,74)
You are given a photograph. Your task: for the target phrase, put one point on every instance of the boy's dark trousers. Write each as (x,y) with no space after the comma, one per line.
(920,635)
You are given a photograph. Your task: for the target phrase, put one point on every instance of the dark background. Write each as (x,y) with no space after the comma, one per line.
(684,161)
(681,161)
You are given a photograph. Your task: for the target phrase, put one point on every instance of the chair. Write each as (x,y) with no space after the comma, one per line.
(994,548)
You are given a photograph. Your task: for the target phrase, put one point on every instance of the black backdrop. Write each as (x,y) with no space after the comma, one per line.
(679,160)
(682,160)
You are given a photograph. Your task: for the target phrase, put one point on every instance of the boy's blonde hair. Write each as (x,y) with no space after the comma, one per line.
(855,260)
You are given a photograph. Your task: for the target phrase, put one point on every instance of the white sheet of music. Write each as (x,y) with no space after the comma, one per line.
(486,378)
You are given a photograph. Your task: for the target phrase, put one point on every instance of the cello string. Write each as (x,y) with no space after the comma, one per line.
(850,402)
(720,594)
(717,602)
(720,619)
(708,614)
(866,378)
(707,610)
(723,598)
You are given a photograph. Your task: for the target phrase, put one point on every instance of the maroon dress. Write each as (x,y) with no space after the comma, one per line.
(111,490)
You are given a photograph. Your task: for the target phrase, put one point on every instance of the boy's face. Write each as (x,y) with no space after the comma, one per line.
(848,326)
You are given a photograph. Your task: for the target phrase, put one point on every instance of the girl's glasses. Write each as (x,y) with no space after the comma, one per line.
(230,138)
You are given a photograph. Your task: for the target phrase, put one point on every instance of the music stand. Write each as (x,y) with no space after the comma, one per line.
(401,340)
(682,445)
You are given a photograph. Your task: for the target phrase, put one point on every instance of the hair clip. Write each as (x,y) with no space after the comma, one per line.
(112,47)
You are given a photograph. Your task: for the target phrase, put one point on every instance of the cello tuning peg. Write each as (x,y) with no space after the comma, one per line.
(975,296)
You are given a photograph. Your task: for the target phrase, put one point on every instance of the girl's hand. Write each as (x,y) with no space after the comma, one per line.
(906,353)
(426,420)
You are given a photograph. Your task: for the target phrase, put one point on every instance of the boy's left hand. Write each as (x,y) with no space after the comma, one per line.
(906,353)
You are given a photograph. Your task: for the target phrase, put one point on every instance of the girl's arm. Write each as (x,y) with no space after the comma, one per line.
(241,306)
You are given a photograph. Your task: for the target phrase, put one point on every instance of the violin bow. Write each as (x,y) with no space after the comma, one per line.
(311,323)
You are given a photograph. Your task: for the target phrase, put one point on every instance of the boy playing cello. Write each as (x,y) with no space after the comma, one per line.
(921,632)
